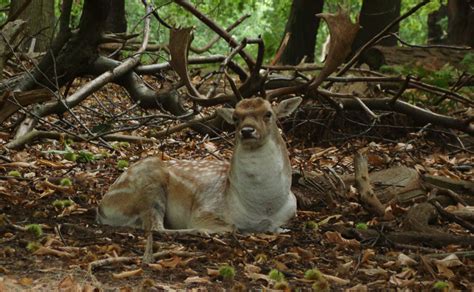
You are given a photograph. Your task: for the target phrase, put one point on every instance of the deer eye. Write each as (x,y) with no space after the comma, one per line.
(268,114)
(235,119)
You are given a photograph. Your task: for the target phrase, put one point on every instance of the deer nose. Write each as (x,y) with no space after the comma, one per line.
(247,132)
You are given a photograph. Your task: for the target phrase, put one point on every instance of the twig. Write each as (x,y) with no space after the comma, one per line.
(451,217)
(459,48)
(212,25)
(217,37)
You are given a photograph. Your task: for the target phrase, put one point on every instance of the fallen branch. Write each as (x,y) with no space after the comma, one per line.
(82,93)
(35,135)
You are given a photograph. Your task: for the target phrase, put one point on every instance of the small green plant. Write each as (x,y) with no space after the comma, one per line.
(121,164)
(71,156)
(276,275)
(227,272)
(65,182)
(313,274)
(14,173)
(361,226)
(440,285)
(321,285)
(61,204)
(35,229)
(311,225)
(282,285)
(119,145)
(85,156)
(32,246)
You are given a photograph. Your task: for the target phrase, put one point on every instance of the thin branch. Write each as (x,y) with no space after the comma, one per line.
(217,37)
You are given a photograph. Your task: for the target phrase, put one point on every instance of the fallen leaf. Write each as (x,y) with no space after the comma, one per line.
(170,263)
(197,280)
(445,264)
(69,284)
(25,281)
(336,237)
(127,274)
(50,251)
(404,260)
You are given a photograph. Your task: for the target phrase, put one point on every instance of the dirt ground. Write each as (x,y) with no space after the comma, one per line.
(49,238)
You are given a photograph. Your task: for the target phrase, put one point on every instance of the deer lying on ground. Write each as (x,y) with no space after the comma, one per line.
(250,194)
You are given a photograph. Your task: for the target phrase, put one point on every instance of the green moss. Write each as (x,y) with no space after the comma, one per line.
(14,173)
(276,275)
(32,246)
(121,164)
(35,229)
(66,182)
(361,226)
(227,272)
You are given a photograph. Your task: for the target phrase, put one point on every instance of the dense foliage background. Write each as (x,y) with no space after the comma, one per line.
(268,19)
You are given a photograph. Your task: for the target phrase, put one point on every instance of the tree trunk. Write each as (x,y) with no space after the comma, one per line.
(374,16)
(116,21)
(71,54)
(302,25)
(435,31)
(39,17)
(461,22)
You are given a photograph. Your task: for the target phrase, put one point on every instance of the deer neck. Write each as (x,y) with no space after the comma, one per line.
(260,179)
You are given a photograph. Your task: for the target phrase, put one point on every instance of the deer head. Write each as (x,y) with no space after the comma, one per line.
(255,120)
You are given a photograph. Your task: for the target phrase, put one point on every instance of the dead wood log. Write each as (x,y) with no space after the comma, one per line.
(11,102)
(437,240)
(418,114)
(432,58)
(63,105)
(35,135)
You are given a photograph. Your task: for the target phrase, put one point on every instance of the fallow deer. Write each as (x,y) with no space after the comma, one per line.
(250,194)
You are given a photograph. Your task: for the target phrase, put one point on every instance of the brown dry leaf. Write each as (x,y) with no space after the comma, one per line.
(280,266)
(249,268)
(375,160)
(17,164)
(258,276)
(304,253)
(69,284)
(52,164)
(127,274)
(170,263)
(190,271)
(156,267)
(367,255)
(197,280)
(358,288)
(212,272)
(404,260)
(443,265)
(404,279)
(25,281)
(336,237)
(375,272)
(50,251)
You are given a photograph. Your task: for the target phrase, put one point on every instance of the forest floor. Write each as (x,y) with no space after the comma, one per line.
(59,255)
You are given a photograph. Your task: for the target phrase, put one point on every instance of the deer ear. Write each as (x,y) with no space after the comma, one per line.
(286,107)
(226,114)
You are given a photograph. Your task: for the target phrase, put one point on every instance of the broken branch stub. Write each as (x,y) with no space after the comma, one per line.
(180,39)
